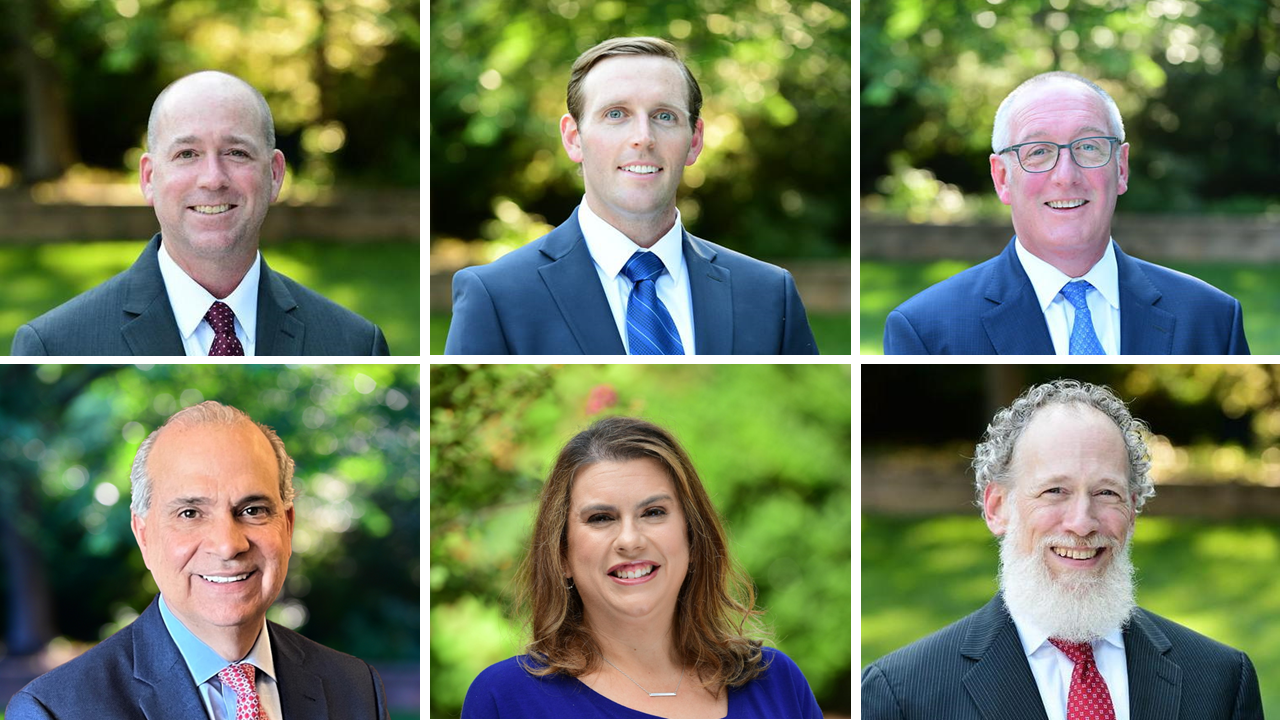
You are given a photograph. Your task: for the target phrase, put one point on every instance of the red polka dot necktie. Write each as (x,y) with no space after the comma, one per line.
(1088,698)
(223,322)
(240,677)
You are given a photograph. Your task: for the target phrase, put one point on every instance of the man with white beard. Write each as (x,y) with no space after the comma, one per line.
(1062,474)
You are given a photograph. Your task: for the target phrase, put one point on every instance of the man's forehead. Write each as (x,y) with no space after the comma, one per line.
(1056,101)
(628,78)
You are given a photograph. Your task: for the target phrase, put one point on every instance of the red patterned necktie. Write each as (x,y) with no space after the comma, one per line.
(1088,698)
(223,322)
(240,677)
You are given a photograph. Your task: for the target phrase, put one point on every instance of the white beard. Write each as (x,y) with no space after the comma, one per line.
(1075,606)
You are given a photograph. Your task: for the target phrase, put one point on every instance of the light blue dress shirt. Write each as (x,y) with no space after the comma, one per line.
(205,664)
(190,302)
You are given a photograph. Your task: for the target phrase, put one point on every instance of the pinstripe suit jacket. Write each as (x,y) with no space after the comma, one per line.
(975,669)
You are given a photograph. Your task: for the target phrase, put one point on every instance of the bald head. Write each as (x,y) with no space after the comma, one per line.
(211,83)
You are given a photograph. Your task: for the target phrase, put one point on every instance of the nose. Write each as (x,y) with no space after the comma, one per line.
(212,173)
(642,135)
(226,539)
(629,538)
(1080,517)
(1066,171)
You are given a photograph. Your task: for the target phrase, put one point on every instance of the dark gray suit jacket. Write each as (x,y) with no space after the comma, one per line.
(130,315)
(975,669)
(546,299)
(139,674)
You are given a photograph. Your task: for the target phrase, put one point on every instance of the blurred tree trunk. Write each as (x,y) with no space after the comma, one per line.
(29,621)
(48,143)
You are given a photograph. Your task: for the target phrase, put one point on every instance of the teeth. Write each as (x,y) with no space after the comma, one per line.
(633,574)
(1076,553)
(1065,204)
(211,209)
(223,580)
(642,169)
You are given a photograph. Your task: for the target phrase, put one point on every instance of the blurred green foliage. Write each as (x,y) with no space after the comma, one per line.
(68,435)
(373,279)
(886,284)
(1187,76)
(775,77)
(1219,579)
(771,443)
(342,77)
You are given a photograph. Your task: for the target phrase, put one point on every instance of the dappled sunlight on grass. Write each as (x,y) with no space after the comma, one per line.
(1218,578)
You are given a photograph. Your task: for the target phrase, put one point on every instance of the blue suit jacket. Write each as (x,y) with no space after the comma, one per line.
(976,669)
(138,673)
(991,309)
(130,314)
(545,299)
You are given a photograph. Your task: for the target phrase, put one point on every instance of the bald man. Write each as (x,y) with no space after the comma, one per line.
(201,288)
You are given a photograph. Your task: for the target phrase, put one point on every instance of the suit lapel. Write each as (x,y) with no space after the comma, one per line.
(1155,682)
(1015,325)
(1000,683)
(152,329)
(301,691)
(571,279)
(1144,328)
(279,333)
(712,292)
(169,692)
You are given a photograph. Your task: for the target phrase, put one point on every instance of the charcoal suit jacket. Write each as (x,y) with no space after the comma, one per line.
(139,674)
(991,309)
(976,669)
(545,299)
(130,314)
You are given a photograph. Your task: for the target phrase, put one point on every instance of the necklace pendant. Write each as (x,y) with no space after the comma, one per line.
(661,694)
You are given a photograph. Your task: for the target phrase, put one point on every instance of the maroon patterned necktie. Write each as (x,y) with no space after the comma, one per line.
(240,677)
(1088,698)
(223,322)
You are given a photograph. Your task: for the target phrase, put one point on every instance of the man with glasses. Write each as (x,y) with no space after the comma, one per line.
(1062,285)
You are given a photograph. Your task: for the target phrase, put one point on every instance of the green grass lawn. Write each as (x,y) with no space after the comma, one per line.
(885,285)
(832,331)
(378,280)
(919,575)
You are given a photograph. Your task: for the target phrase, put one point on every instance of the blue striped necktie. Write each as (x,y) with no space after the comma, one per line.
(650,329)
(1084,341)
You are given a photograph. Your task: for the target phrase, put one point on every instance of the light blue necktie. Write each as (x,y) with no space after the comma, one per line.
(1084,341)
(650,329)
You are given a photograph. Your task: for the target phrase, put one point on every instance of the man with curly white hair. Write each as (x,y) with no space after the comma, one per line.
(1061,475)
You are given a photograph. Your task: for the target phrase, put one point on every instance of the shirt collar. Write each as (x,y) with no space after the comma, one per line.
(1035,638)
(1048,280)
(190,301)
(611,249)
(202,661)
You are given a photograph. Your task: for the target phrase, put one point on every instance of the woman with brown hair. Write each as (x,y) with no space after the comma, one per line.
(634,606)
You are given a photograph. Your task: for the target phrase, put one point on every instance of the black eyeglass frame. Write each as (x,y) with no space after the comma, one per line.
(1061,147)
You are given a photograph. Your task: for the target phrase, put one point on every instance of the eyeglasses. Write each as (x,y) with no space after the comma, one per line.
(1041,156)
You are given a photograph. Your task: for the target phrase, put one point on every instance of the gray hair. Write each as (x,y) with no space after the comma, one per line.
(209,412)
(264,110)
(994,454)
(1001,132)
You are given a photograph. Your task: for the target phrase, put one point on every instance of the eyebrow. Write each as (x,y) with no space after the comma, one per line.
(1042,133)
(628,103)
(601,507)
(205,502)
(227,139)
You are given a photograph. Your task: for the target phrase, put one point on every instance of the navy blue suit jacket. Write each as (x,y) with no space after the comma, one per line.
(976,669)
(545,299)
(130,314)
(138,673)
(991,309)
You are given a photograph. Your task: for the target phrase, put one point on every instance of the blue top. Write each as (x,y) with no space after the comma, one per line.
(506,690)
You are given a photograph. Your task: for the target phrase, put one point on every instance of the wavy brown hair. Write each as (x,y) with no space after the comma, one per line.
(715,620)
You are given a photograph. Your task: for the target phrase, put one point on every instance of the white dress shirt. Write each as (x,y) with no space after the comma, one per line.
(219,699)
(1060,315)
(190,302)
(610,250)
(1052,669)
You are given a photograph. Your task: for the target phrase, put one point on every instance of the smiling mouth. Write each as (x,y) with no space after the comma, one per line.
(1066,204)
(641,169)
(212,209)
(633,572)
(227,579)
(1072,553)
